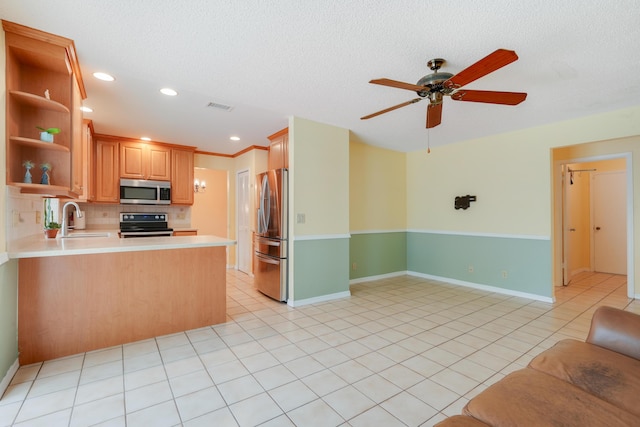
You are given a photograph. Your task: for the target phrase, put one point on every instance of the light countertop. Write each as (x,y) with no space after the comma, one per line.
(38,246)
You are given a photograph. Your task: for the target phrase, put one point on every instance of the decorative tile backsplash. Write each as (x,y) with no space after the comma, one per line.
(108,216)
(24,213)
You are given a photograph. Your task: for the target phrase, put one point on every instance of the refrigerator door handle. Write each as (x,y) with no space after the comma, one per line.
(265,204)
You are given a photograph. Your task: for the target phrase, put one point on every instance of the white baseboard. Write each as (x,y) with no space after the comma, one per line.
(4,384)
(315,300)
(487,288)
(378,277)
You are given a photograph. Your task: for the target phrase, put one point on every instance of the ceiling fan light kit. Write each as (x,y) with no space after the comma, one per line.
(438,84)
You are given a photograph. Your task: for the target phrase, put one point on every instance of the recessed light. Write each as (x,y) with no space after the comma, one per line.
(145,138)
(169,92)
(86,109)
(104,76)
(235,138)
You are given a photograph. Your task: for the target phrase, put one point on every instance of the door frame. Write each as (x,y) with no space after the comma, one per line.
(558,212)
(237,249)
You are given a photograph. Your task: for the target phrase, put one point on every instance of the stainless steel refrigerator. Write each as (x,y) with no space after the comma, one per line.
(271,249)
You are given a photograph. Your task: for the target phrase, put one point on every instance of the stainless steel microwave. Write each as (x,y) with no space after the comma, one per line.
(144,192)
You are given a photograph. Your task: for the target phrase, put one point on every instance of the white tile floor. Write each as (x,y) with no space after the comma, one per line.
(399,352)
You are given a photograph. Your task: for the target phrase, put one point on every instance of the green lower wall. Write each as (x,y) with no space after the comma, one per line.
(527,262)
(375,254)
(8,316)
(321,267)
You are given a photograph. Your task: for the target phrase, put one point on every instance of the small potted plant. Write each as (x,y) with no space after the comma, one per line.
(46,135)
(51,227)
(51,230)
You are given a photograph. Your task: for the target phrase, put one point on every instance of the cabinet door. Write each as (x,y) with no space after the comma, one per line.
(132,160)
(158,163)
(279,150)
(88,161)
(275,154)
(145,161)
(107,182)
(77,149)
(182,177)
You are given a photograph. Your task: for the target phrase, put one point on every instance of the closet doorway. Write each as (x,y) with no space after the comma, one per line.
(594,217)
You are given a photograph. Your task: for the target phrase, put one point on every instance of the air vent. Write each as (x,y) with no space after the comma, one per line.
(222,107)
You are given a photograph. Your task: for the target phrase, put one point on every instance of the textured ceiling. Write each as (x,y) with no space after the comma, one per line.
(313,59)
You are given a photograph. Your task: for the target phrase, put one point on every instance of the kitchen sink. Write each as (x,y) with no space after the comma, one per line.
(76,235)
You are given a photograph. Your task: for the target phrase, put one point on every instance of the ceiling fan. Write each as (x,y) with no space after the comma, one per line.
(438,84)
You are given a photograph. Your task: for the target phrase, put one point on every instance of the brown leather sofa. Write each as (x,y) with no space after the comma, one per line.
(574,383)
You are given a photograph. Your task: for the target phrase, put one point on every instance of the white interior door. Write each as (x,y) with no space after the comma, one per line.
(244,222)
(610,222)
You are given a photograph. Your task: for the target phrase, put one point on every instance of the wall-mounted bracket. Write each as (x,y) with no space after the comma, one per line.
(463,202)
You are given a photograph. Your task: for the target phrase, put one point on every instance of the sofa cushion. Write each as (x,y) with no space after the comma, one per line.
(460,421)
(532,398)
(604,373)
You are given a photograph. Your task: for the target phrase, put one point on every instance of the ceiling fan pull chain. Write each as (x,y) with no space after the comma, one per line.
(428,141)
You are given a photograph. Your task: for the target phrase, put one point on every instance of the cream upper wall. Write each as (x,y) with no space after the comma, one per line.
(319,177)
(377,188)
(509,173)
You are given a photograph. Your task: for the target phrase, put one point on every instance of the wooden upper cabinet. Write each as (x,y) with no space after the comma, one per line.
(88,161)
(107,181)
(279,150)
(145,161)
(78,183)
(43,88)
(181,177)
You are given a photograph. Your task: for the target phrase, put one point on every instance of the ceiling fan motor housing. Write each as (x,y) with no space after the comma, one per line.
(433,84)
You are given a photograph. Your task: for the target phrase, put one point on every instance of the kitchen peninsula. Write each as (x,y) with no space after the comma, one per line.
(85,293)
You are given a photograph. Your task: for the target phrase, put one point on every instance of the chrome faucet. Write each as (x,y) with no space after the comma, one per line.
(65,217)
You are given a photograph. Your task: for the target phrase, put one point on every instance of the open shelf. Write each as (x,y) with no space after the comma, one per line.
(36,143)
(44,190)
(37,101)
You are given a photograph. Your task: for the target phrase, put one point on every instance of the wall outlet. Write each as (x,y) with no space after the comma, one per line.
(181,215)
(354,266)
(16,218)
(38,217)
(301,218)
(505,274)
(471,269)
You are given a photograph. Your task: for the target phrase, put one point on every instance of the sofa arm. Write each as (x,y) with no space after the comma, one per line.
(616,330)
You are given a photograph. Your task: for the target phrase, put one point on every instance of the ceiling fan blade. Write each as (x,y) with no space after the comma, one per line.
(395,107)
(434,115)
(489,97)
(400,85)
(486,65)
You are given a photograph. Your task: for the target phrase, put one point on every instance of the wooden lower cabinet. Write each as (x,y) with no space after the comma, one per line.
(78,303)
